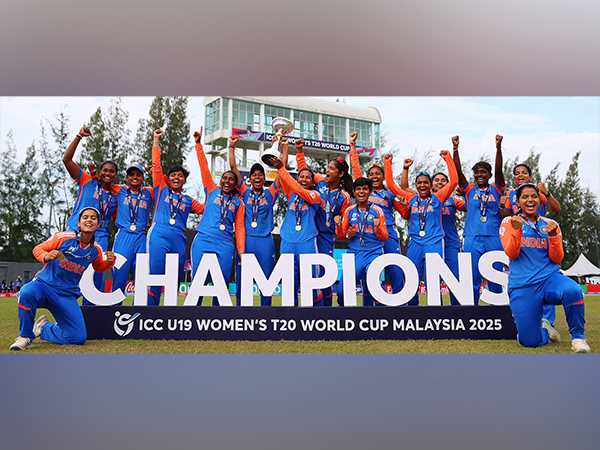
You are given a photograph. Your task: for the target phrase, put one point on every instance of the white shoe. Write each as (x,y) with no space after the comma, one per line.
(38,325)
(580,346)
(553,333)
(21,343)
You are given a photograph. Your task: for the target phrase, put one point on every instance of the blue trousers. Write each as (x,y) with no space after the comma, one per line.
(129,245)
(527,304)
(160,241)
(101,237)
(451,259)
(223,249)
(393,274)
(297,249)
(69,327)
(477,246)
(362,261)
(416,253)
(325,246)
(263,247)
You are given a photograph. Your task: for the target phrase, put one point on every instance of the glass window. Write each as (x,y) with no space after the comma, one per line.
(226,113)
(271,112)
(334,129)
(306,125)
(246,115)
(212,117)
(364,131)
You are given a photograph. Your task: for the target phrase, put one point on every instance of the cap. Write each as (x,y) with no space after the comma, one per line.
(257,166)
(135,166)
(87,208)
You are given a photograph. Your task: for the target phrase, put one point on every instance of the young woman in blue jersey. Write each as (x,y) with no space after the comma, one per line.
(223,216)
(56,286)
(363,225)
(299,229)
(386,200)
(534,245)
(334,188)
(99,192)
(522,175)
(171,210)
(258,204)
(134,203)
(483,212)
(425,221)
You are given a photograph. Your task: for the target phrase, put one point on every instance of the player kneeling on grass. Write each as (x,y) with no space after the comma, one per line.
(534,245)
(56,287)
(363,225)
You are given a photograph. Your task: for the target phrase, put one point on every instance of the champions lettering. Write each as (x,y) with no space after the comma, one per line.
(282,274)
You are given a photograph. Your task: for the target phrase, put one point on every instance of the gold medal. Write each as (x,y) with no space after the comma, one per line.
(222,227)
(254,224)
(422,233)
(132,227)
(298,227)
(483,219)
(172,221)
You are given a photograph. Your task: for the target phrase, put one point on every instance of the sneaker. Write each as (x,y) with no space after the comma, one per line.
(553,333)
(38,325)
(21,343)
(580,346)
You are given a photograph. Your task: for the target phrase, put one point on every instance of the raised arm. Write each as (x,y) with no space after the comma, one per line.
(232,162)
(389,180)
(404,180)
(354,159)
(462,180)
(444,193)
(158,177)
(207,179)
(290,186)
(72,167)
(546,196)
(498,165)
(511,231)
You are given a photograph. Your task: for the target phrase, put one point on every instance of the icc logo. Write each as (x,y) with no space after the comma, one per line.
(124,320)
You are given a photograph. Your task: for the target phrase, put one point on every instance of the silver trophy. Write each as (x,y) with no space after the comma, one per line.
(282,127)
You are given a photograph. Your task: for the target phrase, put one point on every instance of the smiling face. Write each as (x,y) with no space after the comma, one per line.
(257,180)
(521,175)
(438,182)
(362,193)
(107,173)
(305,178)
(135,179)
(375,174)
(529,201)
(88,222)
(176,180)
(334,175)
(423,185)
(482,176)
(228,182)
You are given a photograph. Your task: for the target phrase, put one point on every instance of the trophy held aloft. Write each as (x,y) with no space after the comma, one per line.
(282,127)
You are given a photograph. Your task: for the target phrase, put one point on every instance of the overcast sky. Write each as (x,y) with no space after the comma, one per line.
(557,127)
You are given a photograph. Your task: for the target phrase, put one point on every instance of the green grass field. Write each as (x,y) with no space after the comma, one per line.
(9,330)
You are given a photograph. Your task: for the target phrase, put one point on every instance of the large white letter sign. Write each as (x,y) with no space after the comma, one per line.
(349,279)
(489,273)
(209,264)
(411,279)
(462,288)
(143,279)
(308,283)
(282,272)
(89,291)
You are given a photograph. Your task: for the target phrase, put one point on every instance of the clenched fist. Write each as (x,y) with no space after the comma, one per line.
(84,132)
(516,222)
(407,163)
(552,228)
(498,140)
(198,136)
(455,141)
(53,254)
(233,140)
(444,153)
(353,138)
(110,257)
(299,144)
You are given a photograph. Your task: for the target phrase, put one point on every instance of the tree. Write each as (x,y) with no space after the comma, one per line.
(94,146)
(532,160)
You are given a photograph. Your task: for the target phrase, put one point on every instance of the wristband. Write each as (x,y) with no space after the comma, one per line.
(79,136)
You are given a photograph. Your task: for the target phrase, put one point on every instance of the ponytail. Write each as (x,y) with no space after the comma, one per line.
(346,179)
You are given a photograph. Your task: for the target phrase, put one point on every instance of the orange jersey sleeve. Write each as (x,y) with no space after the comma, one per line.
(197,207)
(84,178)
(41,250)
(381,230)
(207,179)
(459,203)
(402,208)
(449,188)
(240,229)
(391,184)
(556,252)
(355,163)
(158,177)
(301,161)
(291,186)
(99,264)
(511,239)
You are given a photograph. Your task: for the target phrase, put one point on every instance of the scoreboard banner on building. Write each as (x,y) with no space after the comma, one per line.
(276,323)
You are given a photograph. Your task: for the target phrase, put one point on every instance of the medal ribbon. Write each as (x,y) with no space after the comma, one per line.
(362,223)
(330,206)
(173,210)
(102,203)
(224,206)
(483,201)
(256,199)
(422,209)
(298,203)
(133,210)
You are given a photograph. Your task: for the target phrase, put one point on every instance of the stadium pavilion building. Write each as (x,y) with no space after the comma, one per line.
(324,125)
